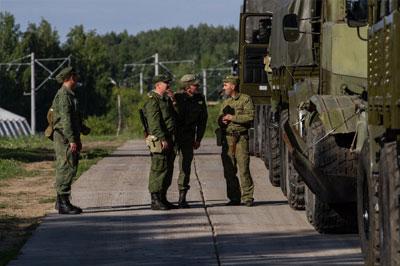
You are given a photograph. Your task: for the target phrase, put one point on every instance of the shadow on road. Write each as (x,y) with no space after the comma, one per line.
(173,238)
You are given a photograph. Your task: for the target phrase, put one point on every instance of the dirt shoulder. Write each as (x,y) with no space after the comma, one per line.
(28,195)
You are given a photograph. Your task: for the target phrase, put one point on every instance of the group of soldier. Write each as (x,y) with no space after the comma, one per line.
(176,123)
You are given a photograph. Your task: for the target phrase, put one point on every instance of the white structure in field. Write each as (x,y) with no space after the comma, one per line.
(12,125)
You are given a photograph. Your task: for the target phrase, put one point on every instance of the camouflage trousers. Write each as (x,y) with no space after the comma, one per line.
(235,154)
(161,171)
(66,165)
(185,147)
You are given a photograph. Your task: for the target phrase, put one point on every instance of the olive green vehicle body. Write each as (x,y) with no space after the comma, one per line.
(330,87)
(383,76)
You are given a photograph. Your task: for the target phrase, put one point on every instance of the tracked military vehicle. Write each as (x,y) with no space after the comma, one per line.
(379,176)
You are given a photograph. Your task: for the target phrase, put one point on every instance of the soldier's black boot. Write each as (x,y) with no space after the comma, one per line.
(164,200)
(182,200)
(65,206)
(156,203)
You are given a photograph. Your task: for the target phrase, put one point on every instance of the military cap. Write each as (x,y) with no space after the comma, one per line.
(190,79)
(64,73)
(232,79)
(162,78)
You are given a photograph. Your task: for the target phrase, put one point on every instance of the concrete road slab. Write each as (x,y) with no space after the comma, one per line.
(118,228)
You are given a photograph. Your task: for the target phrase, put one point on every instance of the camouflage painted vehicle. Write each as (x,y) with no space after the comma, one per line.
(308,107)
(255,33)
(379,176)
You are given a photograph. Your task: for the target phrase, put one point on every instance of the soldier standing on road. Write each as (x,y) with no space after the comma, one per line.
(160,115)
(235,119)
(191,126)
(68,126)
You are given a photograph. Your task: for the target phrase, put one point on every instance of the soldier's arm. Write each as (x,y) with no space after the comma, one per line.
(202,123)
(247,116)
(153,115)
(66,110)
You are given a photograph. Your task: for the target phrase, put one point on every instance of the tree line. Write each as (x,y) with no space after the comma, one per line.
(99,57)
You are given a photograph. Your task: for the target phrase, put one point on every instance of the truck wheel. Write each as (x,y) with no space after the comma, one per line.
(266,136)
(274,158)
(296,188)
(284,155)
(367,211)
(389,201)
(330,158)
(294,185)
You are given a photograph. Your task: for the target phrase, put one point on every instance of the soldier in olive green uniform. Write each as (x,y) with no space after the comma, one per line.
(160,115)
(68,126)
(191,126)
(235,119)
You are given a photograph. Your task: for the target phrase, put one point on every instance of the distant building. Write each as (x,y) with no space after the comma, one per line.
(12,125)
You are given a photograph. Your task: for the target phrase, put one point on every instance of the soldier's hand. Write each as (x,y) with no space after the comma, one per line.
(171,95)
(164,145)
(73,147)
(227,119)
(196,145)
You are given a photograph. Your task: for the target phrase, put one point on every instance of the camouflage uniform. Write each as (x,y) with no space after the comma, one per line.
(235,147)
(160,116)
(68,127)
(191,126)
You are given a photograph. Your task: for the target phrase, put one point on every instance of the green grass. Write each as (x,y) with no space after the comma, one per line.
(212,124)
(12,168)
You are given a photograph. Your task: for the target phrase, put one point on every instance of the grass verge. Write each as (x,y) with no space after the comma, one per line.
(26,184)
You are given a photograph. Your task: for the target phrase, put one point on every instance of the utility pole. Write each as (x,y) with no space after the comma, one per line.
(32,64)
(33,90)
(205,83)
(156,65)
(141,83)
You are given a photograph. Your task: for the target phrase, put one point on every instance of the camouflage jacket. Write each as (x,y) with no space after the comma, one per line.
(191,115)
(242,108)
(67,117)
(160,116)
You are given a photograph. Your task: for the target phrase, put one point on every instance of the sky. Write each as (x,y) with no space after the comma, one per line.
(117,15)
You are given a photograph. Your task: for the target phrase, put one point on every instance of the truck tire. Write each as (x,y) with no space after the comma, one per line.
(284,155)
(367,211)
(293,184)
(389,203)
(296,188)
(274,158)
(330,158)
(266,137)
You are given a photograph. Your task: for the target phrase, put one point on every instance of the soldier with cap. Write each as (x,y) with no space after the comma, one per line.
(235,119)
(191,126)
(67,125)
(160,115)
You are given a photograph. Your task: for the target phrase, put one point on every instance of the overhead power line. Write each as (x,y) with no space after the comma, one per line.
(33,63)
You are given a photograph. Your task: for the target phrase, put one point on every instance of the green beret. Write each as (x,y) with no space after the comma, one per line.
(190,79)
(232,79)
(65,73)
(162,78)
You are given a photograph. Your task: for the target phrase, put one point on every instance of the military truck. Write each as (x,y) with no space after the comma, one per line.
(309,125)
(378,181)
(255,32)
